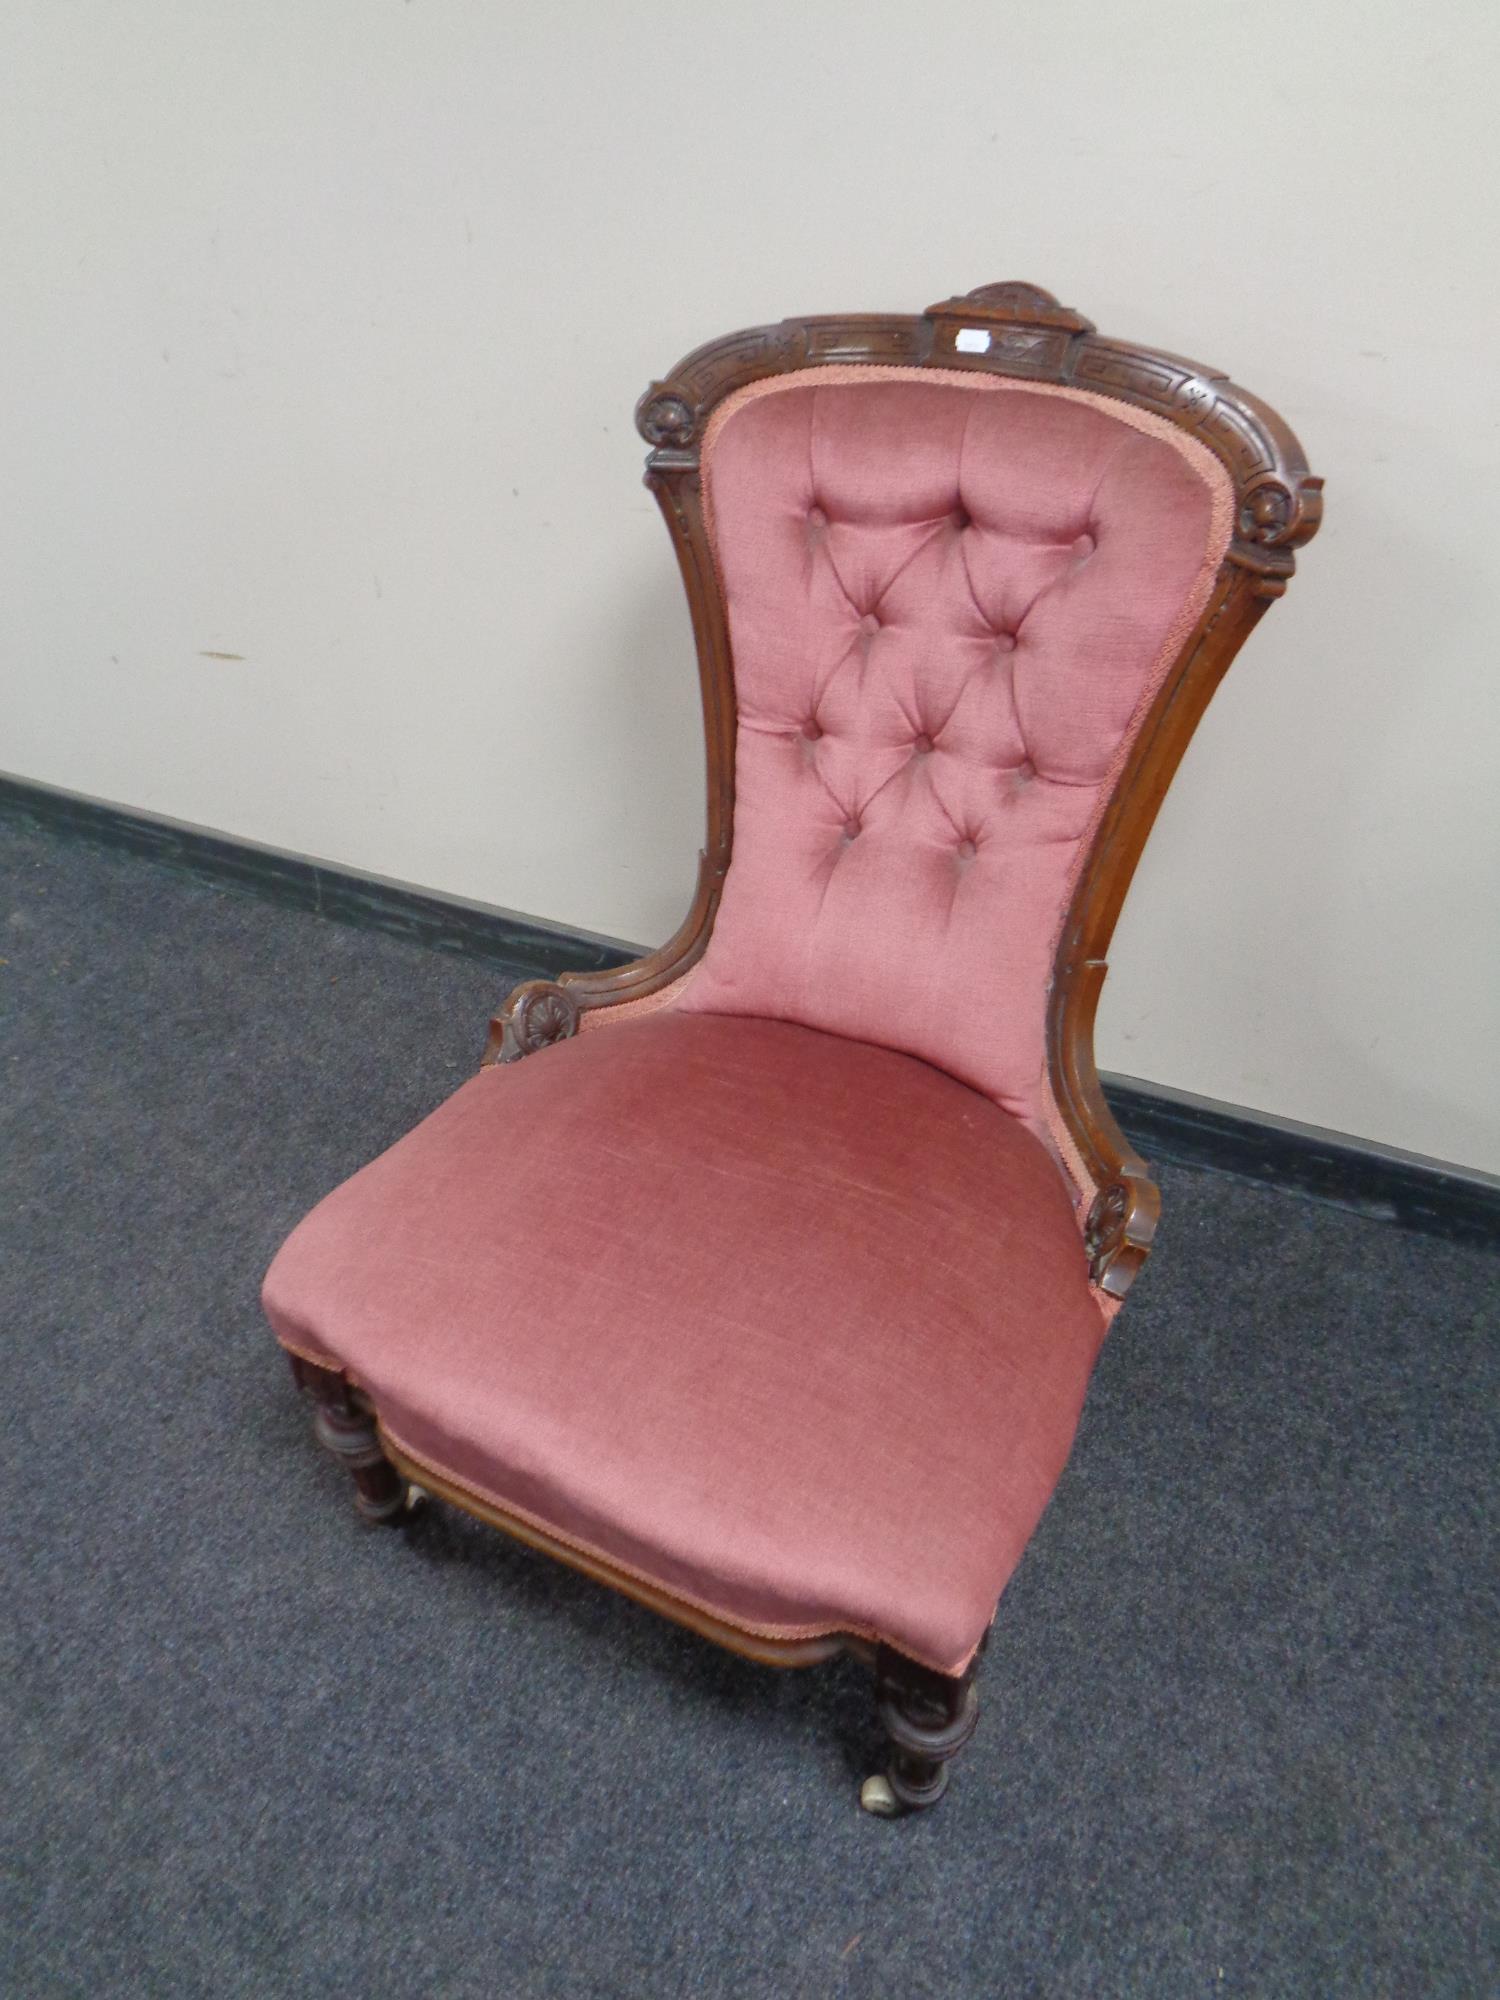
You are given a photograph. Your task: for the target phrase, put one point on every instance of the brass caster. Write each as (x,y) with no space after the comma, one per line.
(876,1796)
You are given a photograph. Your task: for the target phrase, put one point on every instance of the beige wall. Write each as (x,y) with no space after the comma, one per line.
(324,322)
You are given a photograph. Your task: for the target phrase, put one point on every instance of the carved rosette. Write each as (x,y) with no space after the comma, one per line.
(666,420)
(536,1015)
(1266,513)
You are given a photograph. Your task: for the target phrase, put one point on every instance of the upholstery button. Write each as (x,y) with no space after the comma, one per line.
(851,829)
(966,850)
(816,518)
(1084,547)
(1005,642)
(811,730)
(869,625)
(960,519)
(922,745)
(1025,771)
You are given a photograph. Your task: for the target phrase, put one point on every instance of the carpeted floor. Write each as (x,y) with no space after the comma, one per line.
(1239,1729)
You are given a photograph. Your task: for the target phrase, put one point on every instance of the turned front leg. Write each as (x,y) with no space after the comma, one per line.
(928,1717)
(344,1425)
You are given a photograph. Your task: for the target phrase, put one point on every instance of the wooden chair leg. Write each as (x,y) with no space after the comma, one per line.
(343,1425)
(929,1717)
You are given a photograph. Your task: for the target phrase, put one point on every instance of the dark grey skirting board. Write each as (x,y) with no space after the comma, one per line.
(1381,1182)
(443,923)
(1378,1181)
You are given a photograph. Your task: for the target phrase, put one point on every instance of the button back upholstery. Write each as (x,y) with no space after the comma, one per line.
(949,600)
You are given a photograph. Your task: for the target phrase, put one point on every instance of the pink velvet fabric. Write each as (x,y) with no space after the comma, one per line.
(949,601)
(795,1326)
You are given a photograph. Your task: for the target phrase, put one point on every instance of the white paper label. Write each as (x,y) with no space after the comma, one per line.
(972,340)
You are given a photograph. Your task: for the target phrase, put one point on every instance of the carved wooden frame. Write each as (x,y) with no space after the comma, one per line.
(927,1716)
(1032,338)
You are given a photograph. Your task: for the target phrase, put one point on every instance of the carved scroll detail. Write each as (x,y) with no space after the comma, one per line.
(1104,1232)
(666,420)
(1268,512)
(670,414)
(1118,1231)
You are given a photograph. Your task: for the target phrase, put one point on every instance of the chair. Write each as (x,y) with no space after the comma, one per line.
(762,1278)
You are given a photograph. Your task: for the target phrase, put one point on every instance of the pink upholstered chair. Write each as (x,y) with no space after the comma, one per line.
(767,1287)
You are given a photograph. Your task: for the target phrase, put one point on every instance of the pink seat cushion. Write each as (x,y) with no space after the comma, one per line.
(795,1327)
(950,599)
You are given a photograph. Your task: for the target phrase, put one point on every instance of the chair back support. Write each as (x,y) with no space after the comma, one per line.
(962,585)
(951,599)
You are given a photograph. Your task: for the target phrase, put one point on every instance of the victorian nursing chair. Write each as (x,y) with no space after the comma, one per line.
(762,1278)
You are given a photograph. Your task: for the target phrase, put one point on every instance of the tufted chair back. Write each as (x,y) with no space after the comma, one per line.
(951,598)
(962,584)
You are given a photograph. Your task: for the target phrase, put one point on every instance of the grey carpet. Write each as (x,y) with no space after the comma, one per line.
(1239,1709)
